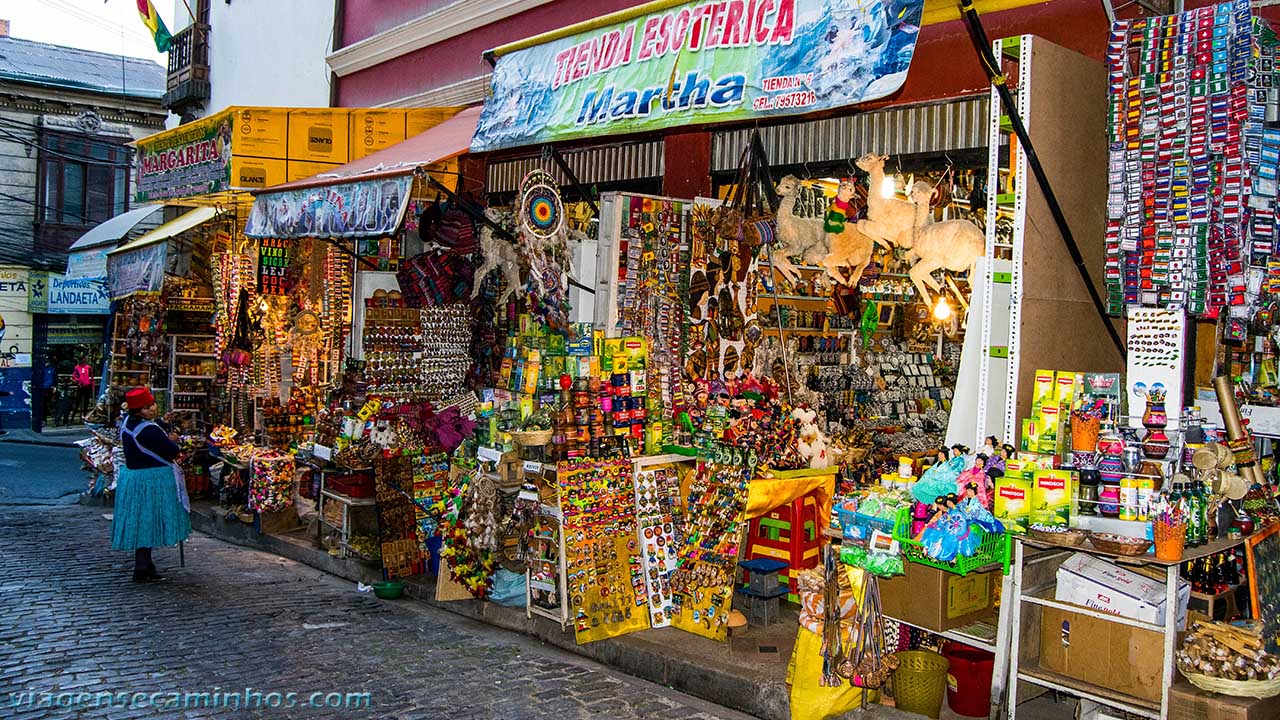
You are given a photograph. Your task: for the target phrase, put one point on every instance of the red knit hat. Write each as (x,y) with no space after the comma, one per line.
(139,398)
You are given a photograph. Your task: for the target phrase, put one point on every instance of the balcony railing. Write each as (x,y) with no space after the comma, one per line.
(188,82)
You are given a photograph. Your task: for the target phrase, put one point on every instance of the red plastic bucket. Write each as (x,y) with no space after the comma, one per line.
(969,680)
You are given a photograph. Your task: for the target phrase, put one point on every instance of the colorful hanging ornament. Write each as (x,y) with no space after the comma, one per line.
(541,210)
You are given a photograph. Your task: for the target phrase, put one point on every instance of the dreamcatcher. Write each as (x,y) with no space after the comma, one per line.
(541,211)
(546,244)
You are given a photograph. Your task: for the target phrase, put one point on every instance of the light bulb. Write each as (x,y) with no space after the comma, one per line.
(942,311)
(888,188)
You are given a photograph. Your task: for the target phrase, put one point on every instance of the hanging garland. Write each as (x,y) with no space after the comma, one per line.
(469,565)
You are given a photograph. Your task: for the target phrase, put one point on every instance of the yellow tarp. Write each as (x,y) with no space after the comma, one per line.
(810,700)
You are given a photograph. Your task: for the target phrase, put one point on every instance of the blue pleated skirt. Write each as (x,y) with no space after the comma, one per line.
(147,511)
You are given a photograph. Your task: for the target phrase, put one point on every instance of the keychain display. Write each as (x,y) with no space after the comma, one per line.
(651,289)
(393,343)
(715,509)
(604,570)
(445,357)
(402,554)
(657,506)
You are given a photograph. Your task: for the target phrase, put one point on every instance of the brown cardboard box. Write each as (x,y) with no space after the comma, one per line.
(1188,702)
(937,600)
(1122,658)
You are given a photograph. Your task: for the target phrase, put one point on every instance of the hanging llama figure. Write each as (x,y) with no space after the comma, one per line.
(797,236)
(889,221)
(953,245)
(849,246)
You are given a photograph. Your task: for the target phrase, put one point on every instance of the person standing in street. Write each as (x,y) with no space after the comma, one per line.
(83,377)
(48,388)
(151,507)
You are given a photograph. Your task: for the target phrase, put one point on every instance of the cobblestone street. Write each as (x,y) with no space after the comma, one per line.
(235,619)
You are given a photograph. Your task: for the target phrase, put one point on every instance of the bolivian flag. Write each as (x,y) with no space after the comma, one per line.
(152,20)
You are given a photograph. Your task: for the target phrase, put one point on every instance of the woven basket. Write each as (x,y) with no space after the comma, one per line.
(1236,688)
(1070,538)
(1135,546)
(532,438)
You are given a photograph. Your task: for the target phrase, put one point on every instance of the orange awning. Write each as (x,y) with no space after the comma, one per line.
(445,141)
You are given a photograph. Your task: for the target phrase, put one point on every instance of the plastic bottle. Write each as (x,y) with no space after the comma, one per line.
(1196,515)
(1177,503)
(1202,523)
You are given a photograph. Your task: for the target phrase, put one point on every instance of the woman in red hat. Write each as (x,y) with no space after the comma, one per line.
(151,507)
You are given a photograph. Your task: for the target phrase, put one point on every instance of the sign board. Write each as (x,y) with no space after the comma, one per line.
(15,320)
(140,270)
(193,159)
(54,294)
(699,62)
(371,208)
(91,263)
(1157,345)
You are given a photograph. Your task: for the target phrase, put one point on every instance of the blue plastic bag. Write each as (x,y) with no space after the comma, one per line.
(508,588)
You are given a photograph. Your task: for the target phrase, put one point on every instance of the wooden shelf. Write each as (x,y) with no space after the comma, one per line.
(194,377)
(1107,696)
(810,298)
(193,354)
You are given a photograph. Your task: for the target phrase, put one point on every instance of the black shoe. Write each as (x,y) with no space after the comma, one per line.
(154,576)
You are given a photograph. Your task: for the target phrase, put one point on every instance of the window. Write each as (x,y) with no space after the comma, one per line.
(86,180)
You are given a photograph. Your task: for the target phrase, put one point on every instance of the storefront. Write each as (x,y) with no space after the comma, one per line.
(859,403)
(16,329)
(69,318)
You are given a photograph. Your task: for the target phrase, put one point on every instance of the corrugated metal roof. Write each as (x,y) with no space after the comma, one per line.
(611,163)
(40,63)
(938,127)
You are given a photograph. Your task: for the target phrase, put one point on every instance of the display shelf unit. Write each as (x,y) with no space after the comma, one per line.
(549,556)
(1029,308)
(1028,589)
(346,505)
(179,359)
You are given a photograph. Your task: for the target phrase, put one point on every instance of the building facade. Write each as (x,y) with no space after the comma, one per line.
(248,53)
(66,118)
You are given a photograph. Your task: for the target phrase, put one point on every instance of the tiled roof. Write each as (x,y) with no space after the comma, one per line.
(40,63)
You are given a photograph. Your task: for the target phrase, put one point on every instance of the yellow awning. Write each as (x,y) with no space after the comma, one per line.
(178,225)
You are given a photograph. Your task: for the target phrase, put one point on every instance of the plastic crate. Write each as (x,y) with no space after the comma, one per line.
(856,526)
(353,486)
(994,548)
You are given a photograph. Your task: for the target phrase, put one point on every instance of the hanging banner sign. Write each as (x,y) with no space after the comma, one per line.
(55,294)
(700,62)
(357,209)
(273,266)
(194,161)
(91,263)
(139,270)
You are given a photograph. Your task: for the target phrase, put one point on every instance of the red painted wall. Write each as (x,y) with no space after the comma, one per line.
(456,59)
(365,18)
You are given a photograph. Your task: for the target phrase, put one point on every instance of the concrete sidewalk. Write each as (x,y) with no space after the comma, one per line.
(55,437)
